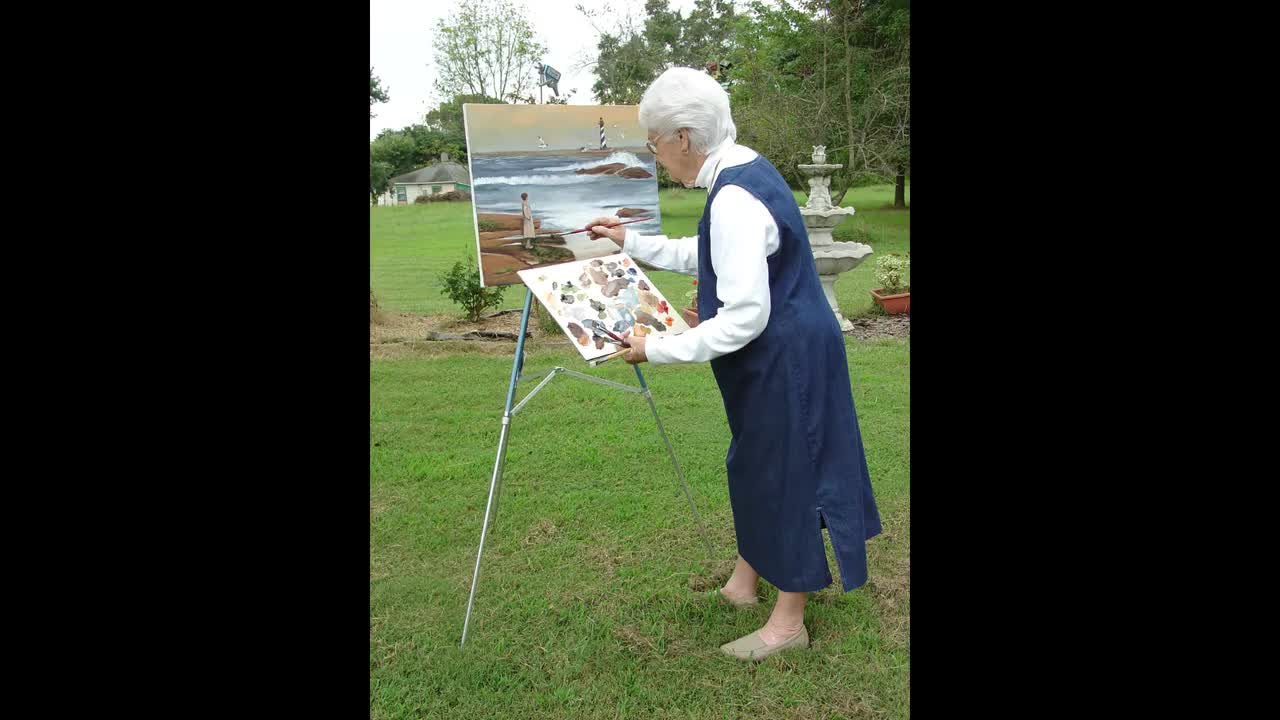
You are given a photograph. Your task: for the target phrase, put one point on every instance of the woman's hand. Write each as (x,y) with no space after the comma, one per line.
(636,343)
(690,316)
(598,230)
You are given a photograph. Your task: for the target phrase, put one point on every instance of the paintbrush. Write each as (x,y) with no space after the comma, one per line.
(615,338)
(606,358)
(614,225)
(596,332)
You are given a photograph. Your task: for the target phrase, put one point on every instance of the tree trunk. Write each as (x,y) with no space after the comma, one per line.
(845,181)
(839,180)
(900,190)
(848,97)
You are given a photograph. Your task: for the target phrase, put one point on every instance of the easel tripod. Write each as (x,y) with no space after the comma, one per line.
(495,483)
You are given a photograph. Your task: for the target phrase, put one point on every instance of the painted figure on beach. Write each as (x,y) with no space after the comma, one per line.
(526,221)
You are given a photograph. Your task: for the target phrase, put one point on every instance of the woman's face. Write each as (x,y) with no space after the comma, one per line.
(672,150)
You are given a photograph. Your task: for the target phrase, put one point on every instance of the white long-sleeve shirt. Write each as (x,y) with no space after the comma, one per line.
(743,235)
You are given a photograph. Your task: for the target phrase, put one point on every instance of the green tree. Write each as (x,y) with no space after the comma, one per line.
(447,116)
(429,145)
(624,68)
(781,87)
(876,37)
(563,99)
(380,174)
(486,47)
(887,116)
(632,51)
(707,34)
(443,129)
(395,152)
(396,148)
(377,93)
(826,72)
(392,153)
(799,73)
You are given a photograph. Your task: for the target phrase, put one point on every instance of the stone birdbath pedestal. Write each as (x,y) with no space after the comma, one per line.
(820,218)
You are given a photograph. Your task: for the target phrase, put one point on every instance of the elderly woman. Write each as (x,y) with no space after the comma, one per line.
(795,461)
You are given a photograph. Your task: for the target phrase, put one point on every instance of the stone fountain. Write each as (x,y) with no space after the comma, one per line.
(820,217)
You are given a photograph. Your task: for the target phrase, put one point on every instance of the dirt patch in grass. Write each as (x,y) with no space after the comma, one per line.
(403,334)
(713,579)
(877,325)
(542,531)
(633,640)
(409,334)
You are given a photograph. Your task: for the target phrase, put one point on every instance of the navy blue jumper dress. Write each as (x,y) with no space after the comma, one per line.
(795,462)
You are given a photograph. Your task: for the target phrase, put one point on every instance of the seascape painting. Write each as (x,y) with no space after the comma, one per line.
(539,172)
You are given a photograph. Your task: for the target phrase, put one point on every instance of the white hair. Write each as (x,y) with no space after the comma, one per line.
(686,98)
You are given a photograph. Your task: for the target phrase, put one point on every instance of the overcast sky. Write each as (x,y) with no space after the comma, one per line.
(400,51)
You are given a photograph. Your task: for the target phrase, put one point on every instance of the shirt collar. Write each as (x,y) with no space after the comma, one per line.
(711,166)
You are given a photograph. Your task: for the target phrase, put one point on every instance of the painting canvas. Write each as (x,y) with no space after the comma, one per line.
(540,171)
(611,293)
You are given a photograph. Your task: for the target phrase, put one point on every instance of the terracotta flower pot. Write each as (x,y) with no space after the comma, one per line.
(893,304)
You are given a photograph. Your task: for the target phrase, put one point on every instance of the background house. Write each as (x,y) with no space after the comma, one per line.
(433,179)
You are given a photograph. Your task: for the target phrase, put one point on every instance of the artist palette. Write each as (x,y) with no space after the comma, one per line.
(591,298)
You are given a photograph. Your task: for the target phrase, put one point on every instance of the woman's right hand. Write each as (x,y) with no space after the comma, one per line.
(598,230)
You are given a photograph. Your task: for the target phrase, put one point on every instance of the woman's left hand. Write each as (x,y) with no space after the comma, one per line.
(636,343)
(690,317)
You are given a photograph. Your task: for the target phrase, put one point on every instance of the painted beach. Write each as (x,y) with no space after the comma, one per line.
(576,178)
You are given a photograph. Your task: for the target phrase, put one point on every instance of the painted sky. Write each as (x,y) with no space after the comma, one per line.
(495,128)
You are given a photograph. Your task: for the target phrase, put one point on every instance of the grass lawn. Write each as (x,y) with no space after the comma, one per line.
(413,244)
(593,593)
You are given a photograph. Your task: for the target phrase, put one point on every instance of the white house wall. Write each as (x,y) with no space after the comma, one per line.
(412,192)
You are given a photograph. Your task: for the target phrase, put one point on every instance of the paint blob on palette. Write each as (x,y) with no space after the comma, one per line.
(591,298)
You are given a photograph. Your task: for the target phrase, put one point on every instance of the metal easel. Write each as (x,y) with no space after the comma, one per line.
(495,483)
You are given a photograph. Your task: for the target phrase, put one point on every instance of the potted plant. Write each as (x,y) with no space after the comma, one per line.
(894,294)
(690,312)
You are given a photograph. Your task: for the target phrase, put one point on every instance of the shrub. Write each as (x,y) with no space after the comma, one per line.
(854,232)
(462,286)
(891,273)
(451,195)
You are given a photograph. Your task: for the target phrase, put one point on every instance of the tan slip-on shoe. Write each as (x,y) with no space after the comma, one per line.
(753,648)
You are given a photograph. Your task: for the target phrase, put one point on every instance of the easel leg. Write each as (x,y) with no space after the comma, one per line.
(679,473)
(495,483)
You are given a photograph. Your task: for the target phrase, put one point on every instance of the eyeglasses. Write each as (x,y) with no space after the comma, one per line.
(653,148)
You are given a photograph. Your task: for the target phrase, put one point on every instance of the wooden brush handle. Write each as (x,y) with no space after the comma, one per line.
(620,353)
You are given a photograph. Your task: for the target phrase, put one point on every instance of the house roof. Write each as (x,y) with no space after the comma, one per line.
(439,172)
